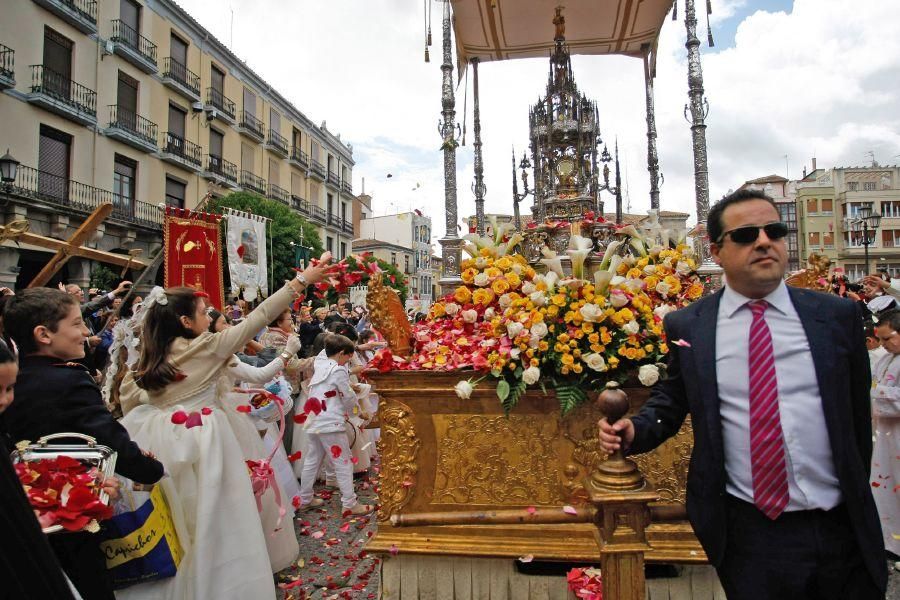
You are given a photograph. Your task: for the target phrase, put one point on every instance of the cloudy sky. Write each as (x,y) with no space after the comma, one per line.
(786,81)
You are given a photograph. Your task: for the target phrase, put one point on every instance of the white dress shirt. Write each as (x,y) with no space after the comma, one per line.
(812,480)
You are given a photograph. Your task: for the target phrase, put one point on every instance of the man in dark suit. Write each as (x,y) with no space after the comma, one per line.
(777,383)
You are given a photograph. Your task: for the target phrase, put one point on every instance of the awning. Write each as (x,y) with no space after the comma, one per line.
(508,29)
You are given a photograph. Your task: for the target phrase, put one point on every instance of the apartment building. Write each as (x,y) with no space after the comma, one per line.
(135,103)
(409,230)
(784,193)
(829,201)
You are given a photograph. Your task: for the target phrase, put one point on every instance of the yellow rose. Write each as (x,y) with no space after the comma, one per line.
(503,264)
(577,368)
(493,272)
(634,274)
(485,252)
(622,269)
(559,299)
(438,310)
(694,291)
(468,275)
(483,296)
(594,338)
(568,359)
(462,295)
(500,286)
(613,362)
(513,279)
(543,346)
(552,311)
(674,284)
(587,327)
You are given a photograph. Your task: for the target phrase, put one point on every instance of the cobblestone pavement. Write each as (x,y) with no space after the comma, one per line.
(333,563)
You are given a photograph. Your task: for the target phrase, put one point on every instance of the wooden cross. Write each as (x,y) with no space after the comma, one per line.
(73,247)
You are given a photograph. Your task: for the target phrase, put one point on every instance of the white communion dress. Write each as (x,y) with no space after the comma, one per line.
(208,487)
(886,451)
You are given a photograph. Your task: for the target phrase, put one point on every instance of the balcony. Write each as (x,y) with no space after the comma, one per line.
(318,169)
(178,77)
(250,126)
(277,143)
(347,226)
(7,67)
(333,180)
(59,94)
(279,193)
(178,151)
(300,205)
(252,183)
(220,171)
(132,129)
(222,106)
(72,196)
(318,214)
(347,187)
(133,47)
(299,158)
(80,14)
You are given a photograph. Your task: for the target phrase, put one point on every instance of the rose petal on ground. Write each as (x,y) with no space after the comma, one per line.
(394,550)
(344,528)
(526,559)
(317,534)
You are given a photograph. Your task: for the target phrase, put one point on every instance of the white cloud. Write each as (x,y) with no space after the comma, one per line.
(821,79)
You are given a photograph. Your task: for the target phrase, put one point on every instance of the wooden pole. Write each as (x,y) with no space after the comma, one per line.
(63,254)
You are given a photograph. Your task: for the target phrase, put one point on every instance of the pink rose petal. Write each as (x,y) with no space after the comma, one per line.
(569,510)
(526,559)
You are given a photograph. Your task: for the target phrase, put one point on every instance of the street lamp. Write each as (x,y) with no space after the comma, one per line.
(9,167)
(866,223)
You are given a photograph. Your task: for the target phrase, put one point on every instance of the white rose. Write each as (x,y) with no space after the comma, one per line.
(538,298)
(591,313)
(618,298)
(668,261)
(528,288)
(514,329)
(482,280)
(470,316)
(655,250)
(595,361)
(534,342)
(489,314)
(662,310)
(489,343)
(464,390)
(480,262)
(629,260)
(531,375)
(616,280)
(451,308)
(517,268)
(650,269)
(514,353)
(662,288)
(505,301)
(635,285)
(631,327)
(539,329)
(648,375)
(683,268)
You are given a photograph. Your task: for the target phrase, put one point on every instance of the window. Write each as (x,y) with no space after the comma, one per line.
(343,250)
(344,211)
(394,259)
(827,206)
(130,15)
(814,239)
(57,64)
(812,206)
(175,192)
(297,139)
(216,144)
(176,121)
(126,100)
(890,209)
(851,209)
(247,158)
(124,180)
(330,164)
(330,204)
(853,239)
(297,185)
(217,82)
(406,263)
(314,151)
(274,121)
(868,186)
(54,151)
(329,244)
(828,239)
(249,102)
(853,186)
(855,271)
(274,179)
(890,238)
(178,53)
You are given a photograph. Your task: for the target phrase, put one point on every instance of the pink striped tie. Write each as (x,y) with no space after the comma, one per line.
(767,459)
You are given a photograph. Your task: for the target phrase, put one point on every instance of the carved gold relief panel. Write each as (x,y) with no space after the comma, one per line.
(399,448)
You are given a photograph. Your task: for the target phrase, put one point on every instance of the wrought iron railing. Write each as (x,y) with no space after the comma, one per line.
(133,123)
(279,193)
(317,167)
(86,8)
(333,179)
(278,141)
(249,121)
(318,213)
(48,82)
(125,34)
(347,187)
(300,204)
(220,101)
(221,167)
(73,195)
(180,147)
(253,182)
(348,226)
(300,156)
(180,73)
(7,61)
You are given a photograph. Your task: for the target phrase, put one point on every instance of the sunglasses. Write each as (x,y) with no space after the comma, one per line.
(749,233)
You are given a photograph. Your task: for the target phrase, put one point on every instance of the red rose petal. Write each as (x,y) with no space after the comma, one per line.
(330,394)
(179,376)
(295,501)
(244,408)
(344,528)
(193,420)
(179,417)
(206,410)
(336,451)
(313,405)
(300,419)
(295,456)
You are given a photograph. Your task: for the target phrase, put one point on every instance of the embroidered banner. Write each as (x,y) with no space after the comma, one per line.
(193,256)
(247,257)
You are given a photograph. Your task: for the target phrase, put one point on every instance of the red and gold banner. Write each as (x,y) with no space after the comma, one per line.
(193,245)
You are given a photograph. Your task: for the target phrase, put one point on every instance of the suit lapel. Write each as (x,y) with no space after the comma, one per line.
(821,347)
(703,344)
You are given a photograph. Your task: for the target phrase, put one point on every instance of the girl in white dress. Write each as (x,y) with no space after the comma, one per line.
(213,507)
(886,429)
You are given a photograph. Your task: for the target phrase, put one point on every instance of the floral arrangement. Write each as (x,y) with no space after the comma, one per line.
(560,329)
(63,491)
(357,270)
(586,584)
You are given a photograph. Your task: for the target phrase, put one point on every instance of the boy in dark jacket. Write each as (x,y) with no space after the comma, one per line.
(56,395)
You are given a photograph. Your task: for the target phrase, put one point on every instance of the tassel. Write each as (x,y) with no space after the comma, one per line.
(427,58)
(708,7)
(428,37)
(709,35)
(675,10)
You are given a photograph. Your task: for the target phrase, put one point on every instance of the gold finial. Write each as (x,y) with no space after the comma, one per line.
(560,21)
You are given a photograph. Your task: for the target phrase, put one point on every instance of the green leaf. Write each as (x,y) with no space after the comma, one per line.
(569,396)
(502,389)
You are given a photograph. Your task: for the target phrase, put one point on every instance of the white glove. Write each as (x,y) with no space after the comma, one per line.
(293,345)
